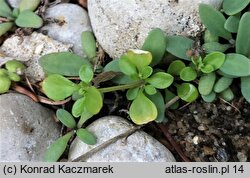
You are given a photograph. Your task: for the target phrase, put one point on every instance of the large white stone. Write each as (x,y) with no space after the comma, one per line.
(67,22)
(26,129)
(30,49)
(120,25)
(138,147)
(14,3)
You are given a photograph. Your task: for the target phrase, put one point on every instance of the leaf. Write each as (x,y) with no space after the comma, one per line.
(4,27)
(232,24)
(14,77)
(142,110)
(146,72)
(187,92)
(232,7)
(15,66)
(114,66)
(158,101)
(188,74)
(156,44)
(214,21)
(4,84)
(86,73)
(66,118)
(132,93)
(28,19)
(137,57)
(236,65)
(150,90)
(209,98)
(225,75)
(215,59)
(169,96)
(88,44)
(176,67)
(63,63)
(57,87)
(207,69)
(85,136)
(84,117)
(93,100)
(78,107)
(179,45)
(227,94)
(222,84)
(209,37)
(161,80)
(57,148)
(245,88)
(29,5)
(5,10)
(243,36)
(215,46)
(206,83)
(127,67)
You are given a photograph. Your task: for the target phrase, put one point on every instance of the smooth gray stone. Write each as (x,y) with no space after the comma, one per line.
(26,129)
(139,147)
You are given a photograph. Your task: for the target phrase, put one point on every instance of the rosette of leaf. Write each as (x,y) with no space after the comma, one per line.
(237,62)
(22,16)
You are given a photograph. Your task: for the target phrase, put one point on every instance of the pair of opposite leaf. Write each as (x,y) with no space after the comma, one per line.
(22,16)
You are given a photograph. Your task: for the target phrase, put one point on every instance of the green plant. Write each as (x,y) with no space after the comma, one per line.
(11,73)
(22,16)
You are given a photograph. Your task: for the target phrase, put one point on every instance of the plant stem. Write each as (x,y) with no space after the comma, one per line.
(121,87)
(172,101)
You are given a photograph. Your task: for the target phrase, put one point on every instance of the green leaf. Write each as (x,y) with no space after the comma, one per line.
(206,83)
(28,19)
(227,94)
(214,21)
(176,67)
(209,98)
(236,65)
(84,117)
(142,110)
(114,66)
(156,44)
(63,63)
(5,10)
(29,5)
(243,36)
(66,118)
(179,45)
(88,44)
(146,72)
(150,90)
(187,92)
(207,69)
(78,107)
(232,24)
(57,148)
(85,136)
(215,46)
(188,74)
(161,80)
(209,37)
(215,59)
(4,27)
(15,66)
(127,67)
(158,101)
(232,7)
(225,75)
(222,84)
(14,77)
(5,83)
(132,93)
(245,88)
(58,87)
(15,12)
(93,100)
(86,73)
(169,95)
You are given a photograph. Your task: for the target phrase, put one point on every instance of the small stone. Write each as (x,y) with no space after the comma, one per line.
(138,147)
(202,128)
(30,49)
(122,25)
(242,157)
(222,155)
(14,3)
(195,140)
(228,108)
(208,150)
(26,129)
(68,21)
